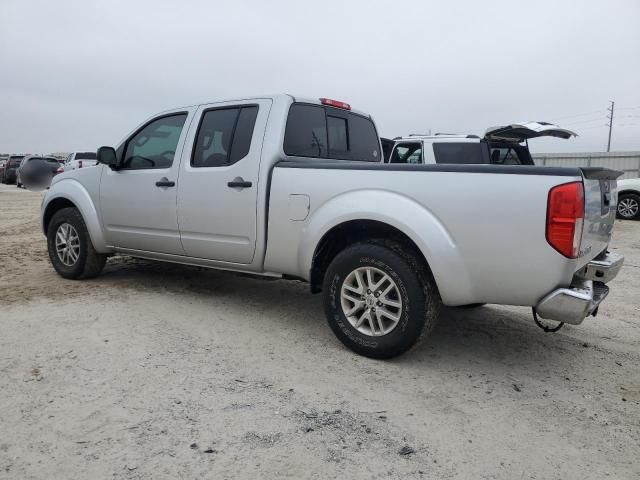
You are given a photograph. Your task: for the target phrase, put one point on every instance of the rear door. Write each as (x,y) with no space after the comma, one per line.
(218,188)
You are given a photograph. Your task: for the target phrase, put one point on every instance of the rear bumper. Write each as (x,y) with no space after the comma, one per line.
(585,294)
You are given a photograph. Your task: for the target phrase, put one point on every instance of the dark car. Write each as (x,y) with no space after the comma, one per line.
(36,171)
(2,164)
(11,169)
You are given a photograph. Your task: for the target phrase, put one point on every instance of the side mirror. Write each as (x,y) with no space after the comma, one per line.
(107,156)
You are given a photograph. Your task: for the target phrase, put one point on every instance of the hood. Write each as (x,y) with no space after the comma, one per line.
(519,132)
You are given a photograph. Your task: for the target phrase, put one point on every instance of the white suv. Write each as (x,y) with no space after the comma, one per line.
(80,160)
(505,145)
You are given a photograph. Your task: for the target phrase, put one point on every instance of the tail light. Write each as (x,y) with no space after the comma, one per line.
(79,163)
(335,103)
(565,218)
(60,170)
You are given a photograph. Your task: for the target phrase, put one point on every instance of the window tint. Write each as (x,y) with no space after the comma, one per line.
(86,156)
(311,128)
(155,145)
(337,132)
(224,136)
(364,143)
(463,153)
(306,133)
(214,138)
(243,133)
(407,153)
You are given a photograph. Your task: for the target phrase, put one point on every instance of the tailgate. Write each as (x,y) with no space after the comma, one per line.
(600,201)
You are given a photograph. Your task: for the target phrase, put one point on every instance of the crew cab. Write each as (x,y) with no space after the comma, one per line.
(283,186)
(502,145)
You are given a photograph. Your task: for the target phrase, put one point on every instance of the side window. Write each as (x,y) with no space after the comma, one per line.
(460,152)
(224,136)
(306,132)
(407,153)
(155,145)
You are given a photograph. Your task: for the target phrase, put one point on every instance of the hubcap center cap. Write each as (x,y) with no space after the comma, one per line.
(370,301)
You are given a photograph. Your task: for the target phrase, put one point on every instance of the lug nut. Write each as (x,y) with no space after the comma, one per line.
(369,291)
(379,304)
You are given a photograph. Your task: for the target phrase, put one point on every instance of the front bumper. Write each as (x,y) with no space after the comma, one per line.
(585,294)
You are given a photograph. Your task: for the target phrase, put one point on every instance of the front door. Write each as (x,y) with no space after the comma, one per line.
(218,191)
(138,201)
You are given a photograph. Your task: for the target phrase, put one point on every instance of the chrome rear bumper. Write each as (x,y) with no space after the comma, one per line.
(583,297)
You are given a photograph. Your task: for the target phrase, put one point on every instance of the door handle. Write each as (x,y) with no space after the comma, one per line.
(239,182)
(165,182)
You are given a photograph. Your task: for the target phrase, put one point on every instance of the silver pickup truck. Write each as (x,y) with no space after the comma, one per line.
(287,187)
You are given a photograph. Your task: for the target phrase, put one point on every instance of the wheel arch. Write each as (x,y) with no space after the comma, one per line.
(366,215)
(71,194)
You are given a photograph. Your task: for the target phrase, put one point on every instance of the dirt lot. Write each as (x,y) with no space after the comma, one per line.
(159,371)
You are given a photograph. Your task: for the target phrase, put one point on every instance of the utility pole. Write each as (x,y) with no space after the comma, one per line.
(610,124)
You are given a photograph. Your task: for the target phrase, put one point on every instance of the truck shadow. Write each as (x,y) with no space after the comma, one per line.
(490,333)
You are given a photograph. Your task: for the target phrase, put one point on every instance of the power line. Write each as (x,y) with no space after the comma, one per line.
(577,115)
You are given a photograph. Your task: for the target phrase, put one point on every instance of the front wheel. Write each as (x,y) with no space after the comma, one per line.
(379,299)
(70,248)
(629,206)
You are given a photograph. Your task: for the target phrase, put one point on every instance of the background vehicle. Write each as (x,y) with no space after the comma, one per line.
(36,171)
(629,199)
(10,169)
(2,164)
(295,188)
(79,160)
(505,145)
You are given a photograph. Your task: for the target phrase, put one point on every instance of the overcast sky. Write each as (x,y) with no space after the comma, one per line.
(80,74)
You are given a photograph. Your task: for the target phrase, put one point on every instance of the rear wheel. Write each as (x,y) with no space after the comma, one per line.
(70,248)
(379,299)
(629,206)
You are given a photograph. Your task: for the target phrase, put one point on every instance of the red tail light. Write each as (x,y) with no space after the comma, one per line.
(565,218)
(60,170)
(79,163)
(335,103)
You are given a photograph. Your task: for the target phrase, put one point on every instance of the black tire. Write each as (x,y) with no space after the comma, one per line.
(633,199)
(89,263)
(419,294)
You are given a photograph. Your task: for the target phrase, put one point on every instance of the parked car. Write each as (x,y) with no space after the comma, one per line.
(282,186)
(3,162)
(79,160)
(504,145)
(629,199)
(10,169)
(37,171)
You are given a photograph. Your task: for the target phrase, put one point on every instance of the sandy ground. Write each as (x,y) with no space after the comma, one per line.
(160,371)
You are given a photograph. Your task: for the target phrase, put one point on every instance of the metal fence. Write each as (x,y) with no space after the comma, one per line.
(627,162)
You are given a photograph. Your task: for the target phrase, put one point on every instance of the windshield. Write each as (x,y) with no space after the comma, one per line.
(86,156)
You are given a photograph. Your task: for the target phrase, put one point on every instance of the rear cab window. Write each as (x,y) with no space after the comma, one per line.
(461,152)
(326,132)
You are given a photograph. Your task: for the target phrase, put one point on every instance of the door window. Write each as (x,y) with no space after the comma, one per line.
(154,146)
(224,136)
(407,153)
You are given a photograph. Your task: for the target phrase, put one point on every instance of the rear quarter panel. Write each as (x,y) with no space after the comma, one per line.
(482,234)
